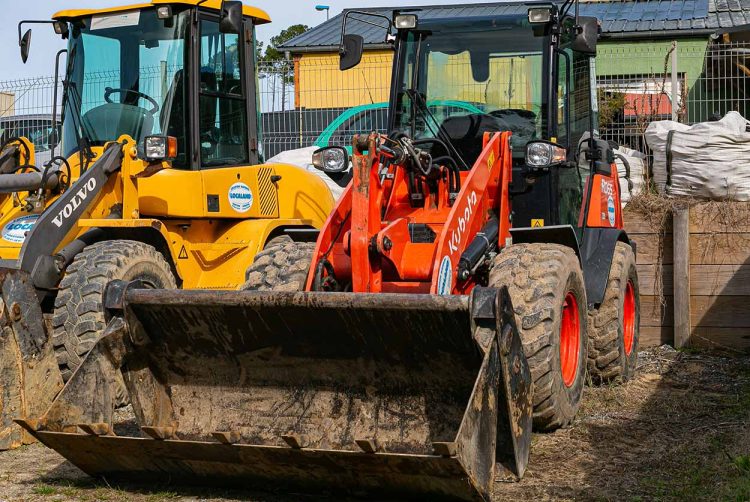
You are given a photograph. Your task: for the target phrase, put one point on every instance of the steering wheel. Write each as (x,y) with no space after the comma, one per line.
(108,91)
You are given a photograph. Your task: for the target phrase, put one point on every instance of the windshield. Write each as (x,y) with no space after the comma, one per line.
(126,73)
(471,79)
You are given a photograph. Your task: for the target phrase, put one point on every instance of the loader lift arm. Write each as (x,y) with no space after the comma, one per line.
(38,257)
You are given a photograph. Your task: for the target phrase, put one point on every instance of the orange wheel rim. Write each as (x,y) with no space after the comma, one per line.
(628,321)
(570,340)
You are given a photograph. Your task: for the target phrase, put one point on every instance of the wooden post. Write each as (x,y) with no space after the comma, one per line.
(681,233)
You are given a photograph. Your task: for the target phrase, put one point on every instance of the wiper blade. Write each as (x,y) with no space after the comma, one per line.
(433,124)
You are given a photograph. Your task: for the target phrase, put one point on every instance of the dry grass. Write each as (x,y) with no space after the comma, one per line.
(679,431)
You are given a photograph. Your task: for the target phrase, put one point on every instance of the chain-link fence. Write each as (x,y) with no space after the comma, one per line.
(309,102)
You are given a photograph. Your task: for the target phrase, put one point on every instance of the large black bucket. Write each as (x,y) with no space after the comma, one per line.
(367,393)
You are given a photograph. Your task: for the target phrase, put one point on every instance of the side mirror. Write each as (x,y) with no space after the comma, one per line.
(25,44)
(350,52)
(231,17)
(588,34)
(53,139)
(601,157)
(331,159)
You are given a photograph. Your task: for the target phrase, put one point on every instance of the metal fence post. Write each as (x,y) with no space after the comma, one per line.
(675,85)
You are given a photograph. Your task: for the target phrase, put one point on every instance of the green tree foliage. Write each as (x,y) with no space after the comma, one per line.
(272,53)
(273,62)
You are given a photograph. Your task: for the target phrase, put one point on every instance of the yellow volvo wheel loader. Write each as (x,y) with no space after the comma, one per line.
(157,178)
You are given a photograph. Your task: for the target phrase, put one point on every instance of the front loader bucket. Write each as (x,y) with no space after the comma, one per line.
(29,375)
(369,394)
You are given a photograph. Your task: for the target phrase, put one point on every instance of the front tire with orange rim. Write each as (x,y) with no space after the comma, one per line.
(549,299)
(614,326)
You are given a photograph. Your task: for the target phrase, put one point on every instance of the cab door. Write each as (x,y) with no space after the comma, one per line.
(234,185)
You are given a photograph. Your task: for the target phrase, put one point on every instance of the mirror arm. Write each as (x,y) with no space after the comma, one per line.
(32,21)
(370,14)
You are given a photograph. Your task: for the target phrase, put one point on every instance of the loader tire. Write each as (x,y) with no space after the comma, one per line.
(281,266)
(546,286)
(614,326)
(78,319)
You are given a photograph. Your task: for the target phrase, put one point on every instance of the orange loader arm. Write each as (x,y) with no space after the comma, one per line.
(381,237)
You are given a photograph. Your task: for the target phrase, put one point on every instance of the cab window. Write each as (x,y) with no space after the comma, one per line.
(222,123)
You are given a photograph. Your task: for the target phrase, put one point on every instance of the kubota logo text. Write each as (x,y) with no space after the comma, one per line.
(457,234)
(78,199)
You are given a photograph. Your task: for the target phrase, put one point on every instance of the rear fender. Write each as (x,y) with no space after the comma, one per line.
(302,195)
(564,235)
(596,258)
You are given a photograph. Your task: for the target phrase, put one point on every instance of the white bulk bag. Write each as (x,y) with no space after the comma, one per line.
(709,160)
(631,183)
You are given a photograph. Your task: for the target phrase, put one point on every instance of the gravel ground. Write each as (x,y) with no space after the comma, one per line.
(678,431)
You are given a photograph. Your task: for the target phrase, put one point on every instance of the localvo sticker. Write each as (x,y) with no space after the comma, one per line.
(240,197)
(15,230)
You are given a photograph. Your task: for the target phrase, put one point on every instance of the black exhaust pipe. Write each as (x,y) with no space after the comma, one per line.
(22,182)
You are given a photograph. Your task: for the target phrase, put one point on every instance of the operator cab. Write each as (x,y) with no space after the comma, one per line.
(137,72)
(509,72)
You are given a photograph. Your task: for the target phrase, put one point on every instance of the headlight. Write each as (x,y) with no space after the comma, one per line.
(157,148)
(164,12)
(544,154)
(331,159)
(539,15)
(405,21)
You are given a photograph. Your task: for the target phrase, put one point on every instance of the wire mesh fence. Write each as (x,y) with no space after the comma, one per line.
(308,102)
(26,110)
(686,81)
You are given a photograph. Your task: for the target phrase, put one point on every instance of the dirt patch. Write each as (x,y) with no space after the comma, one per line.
(679,431)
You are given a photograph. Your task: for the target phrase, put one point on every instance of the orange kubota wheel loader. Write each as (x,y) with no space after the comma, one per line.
(472,269)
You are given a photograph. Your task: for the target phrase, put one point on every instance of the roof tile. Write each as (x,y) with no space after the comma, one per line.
(616,16)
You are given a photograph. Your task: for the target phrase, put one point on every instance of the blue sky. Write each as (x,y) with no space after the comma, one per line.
(45,43)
